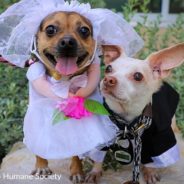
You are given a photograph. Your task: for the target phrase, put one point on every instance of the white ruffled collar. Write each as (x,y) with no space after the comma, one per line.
(62,87)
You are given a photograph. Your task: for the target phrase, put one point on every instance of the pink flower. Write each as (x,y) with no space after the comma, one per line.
(73,107)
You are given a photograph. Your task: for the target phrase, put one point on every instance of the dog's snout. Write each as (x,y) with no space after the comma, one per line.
(68,43)
(110,81)
(67,47)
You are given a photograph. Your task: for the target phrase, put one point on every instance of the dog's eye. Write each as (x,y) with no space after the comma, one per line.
(138,76)
(84,32)
(108,69)
(51,30)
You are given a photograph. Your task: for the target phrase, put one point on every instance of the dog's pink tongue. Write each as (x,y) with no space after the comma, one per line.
(66,65)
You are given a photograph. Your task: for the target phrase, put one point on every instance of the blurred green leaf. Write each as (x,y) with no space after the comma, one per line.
(58,117)
(95,107)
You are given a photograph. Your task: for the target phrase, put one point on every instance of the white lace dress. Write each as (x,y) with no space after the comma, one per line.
(68,137)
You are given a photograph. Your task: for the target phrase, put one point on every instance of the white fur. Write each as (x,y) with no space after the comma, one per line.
(129,96)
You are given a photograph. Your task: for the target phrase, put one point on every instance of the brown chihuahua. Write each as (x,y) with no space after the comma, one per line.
(65,44)
(68,35)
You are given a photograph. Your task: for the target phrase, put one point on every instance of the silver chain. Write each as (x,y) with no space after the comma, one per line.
(138,146)
(137,158)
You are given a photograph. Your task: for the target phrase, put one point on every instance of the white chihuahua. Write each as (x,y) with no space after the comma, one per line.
(129,85)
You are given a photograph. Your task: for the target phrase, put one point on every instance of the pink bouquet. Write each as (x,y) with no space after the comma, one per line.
(73,107)
(77,108)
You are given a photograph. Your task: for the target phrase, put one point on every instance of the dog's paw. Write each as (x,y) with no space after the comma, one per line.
(93,177)
(41,172)
(151,175)
(77,179)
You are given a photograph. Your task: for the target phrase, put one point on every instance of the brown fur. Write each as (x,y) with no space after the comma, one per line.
(68,24)
(76,166)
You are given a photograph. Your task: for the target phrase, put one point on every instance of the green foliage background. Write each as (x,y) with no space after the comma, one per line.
(14,88)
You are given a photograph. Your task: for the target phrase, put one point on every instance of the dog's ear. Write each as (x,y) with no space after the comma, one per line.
(162,62)
(111,52)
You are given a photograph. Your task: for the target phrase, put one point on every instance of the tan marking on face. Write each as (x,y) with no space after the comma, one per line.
(67,24)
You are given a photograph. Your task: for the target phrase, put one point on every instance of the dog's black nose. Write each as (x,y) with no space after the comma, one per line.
(67,47)
(68,42)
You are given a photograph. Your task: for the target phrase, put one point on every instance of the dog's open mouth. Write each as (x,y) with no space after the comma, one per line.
(66,65)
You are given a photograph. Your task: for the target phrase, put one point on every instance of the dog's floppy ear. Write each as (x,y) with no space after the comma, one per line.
(162,62)
(111,52)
